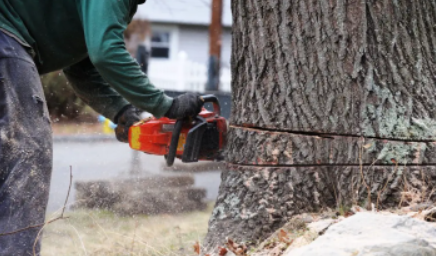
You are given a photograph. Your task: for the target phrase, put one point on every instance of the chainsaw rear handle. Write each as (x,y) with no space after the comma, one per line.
(215,102)
(169,158)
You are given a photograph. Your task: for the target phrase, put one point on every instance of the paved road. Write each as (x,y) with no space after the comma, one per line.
(97,160)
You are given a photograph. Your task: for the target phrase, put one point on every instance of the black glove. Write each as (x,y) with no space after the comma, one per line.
(187,104)
(124,120)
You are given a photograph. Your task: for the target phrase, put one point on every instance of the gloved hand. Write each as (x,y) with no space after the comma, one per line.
(124,120)
(187,104)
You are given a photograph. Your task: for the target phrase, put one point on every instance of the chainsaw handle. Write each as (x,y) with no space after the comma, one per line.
(169,158)
(172,150)
(214,100)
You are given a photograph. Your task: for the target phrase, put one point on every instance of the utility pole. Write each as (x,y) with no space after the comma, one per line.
(215,37)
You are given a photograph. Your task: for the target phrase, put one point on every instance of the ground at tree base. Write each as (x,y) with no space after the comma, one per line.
(96,232)
(354,231)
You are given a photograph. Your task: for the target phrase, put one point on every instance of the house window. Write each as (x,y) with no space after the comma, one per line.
(160,44)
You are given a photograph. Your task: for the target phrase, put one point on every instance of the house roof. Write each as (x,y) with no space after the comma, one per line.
(193,12)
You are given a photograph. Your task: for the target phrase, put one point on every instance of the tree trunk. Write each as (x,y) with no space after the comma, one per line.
(333,105)
(362,68)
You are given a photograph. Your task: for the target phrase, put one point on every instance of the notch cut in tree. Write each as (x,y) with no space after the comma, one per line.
(333,105)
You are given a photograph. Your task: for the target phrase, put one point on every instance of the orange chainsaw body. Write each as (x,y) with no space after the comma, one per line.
(153,136)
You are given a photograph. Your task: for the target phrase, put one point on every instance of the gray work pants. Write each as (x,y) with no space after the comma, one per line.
(25,150)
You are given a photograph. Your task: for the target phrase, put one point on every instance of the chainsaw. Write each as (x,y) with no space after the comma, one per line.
(190,139)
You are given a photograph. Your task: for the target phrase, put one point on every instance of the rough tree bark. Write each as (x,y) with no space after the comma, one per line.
(333,101)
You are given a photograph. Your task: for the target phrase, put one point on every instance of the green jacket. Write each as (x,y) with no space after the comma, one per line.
(85,38)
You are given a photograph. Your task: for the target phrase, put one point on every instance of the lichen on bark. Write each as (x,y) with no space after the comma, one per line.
(358,68)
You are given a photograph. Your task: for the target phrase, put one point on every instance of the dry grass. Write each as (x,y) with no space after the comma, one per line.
(88,232)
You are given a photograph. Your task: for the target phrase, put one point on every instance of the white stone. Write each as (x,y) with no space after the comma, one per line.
(373,234)
(320,226)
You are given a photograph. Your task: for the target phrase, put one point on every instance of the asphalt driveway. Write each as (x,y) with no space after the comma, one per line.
(94,159)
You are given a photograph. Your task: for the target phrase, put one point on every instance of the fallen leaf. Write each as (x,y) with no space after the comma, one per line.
(348,214)
(222,251)
(283,237)
(393,161)
(237,249)
(244,247)
(270,245)
(230,243)
(367,145)
(196,247)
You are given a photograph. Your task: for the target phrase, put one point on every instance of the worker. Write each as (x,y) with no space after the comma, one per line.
(85,39)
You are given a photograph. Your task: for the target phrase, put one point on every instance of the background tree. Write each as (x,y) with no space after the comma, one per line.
(333,105)
(137,33)
(62,103)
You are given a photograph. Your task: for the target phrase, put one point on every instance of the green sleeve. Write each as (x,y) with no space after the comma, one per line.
(104,22)
(93,90)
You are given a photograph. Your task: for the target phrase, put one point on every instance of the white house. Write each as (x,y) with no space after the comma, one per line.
(180,43)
